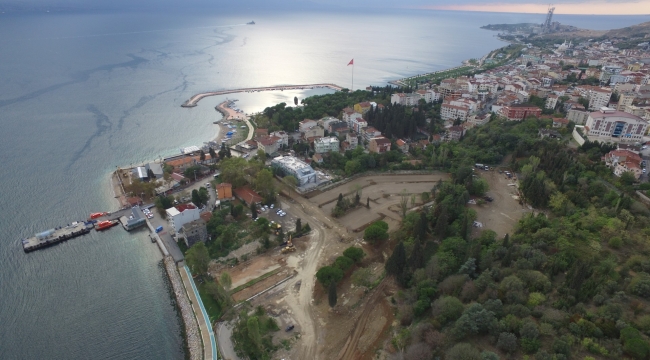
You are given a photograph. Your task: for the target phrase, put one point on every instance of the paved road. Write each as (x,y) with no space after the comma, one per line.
(224,331)
(201,317)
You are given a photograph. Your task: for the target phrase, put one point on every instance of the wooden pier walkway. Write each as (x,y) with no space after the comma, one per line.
(193,101)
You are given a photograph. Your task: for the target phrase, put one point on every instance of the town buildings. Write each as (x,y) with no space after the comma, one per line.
(519,112)
(622,161)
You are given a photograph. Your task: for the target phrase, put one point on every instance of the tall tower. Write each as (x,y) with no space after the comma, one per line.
(549,18)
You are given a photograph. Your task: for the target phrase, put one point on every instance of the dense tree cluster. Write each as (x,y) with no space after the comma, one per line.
(570,280)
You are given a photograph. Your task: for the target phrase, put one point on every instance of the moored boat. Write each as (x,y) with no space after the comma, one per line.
(103,225)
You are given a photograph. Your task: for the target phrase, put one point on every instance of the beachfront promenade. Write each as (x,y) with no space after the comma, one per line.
(193,101)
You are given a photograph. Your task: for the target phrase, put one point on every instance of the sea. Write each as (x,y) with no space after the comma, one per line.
(83,93)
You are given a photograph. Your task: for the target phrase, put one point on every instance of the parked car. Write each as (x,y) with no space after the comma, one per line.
(272,206)
(488,198)
(289,328)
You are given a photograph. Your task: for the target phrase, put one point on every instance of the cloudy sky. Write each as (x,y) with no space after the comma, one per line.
(602,7)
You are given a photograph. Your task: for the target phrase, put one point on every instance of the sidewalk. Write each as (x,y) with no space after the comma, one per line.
(209,343)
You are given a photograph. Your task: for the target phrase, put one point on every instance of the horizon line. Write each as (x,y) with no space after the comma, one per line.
(625,9)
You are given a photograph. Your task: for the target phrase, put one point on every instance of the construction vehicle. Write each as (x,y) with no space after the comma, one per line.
(289,248)
(275,228)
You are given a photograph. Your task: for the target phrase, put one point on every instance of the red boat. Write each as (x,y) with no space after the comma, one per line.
(103,225)
(97,215)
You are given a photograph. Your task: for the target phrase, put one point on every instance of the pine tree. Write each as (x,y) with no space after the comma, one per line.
(331,296)
(368,202)
(421,229)
(441,223)
(417,257)
(298,226)
(253,210)
(397,261)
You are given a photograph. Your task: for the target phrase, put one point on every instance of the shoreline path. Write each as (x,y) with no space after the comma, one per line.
(194,100)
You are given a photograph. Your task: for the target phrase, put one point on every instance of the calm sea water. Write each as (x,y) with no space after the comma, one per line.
(84,93)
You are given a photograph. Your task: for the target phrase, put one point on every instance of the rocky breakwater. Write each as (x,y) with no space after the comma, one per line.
(192,335)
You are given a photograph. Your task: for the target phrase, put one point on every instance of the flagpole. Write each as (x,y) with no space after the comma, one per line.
(352,90)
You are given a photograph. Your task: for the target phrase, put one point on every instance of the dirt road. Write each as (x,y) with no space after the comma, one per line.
(323,230)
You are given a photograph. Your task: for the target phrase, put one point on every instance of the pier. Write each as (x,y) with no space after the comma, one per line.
(194,100)
(57,235)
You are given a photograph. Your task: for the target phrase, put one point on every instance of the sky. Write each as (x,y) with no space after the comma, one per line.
(600,7)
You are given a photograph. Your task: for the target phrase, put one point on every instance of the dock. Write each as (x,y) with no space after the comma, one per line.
(194,100)
(57,235)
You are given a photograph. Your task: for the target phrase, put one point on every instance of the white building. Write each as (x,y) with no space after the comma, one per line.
(551,102)
(613,125)
(326,144)
(295,167)
(599,98)
(284,137)
(405,99)
(453,112)
(577,116)
(351,139)
(181,215)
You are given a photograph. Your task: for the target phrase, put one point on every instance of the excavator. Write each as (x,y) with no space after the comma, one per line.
(289,248)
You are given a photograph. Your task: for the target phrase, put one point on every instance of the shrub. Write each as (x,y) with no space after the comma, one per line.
(489,355)
(594,347)
(354,253)
(463,351)
(535,299)
(529,330)
(475,320)
(615,243)
(507,342)
(452,285)
(361,277)
(530,346)
(643,323)
(640,285)
(447,309)
(637,348)
(562,347)
(377,231)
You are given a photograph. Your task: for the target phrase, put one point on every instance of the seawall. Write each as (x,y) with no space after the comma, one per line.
(192,335)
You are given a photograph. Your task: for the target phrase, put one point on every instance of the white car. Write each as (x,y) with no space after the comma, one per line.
(272,206)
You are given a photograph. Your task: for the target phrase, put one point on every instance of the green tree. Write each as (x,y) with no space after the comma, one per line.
(198,258)
(226,280)
(331,295)
(328,274)
(298,226)
(264,184)
(253,210)
(213,155)
(396,263)
(376,232)
(233,171)
(354,253)
(202,156)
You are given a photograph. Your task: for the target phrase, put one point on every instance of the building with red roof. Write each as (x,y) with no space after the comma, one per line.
(247,195)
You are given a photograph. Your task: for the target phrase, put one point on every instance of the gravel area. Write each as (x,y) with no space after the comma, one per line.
(189,321)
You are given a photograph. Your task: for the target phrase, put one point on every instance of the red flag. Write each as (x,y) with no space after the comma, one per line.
(351,62)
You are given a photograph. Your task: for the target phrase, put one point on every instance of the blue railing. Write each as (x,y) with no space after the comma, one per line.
(205,314)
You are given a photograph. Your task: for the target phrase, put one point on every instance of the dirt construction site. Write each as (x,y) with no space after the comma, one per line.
(360,325)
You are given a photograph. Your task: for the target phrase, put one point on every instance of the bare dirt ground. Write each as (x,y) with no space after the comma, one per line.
(502,214)
(384,193)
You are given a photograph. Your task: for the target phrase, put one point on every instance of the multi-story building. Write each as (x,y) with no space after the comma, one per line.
(613,125)
(370,132)
(453,112)
(625,99)
(283,136)
(306,125)
(326,144)
(519,112)
(454,133)
(362,107)
(193,232)
(379,145)
(577,116)
(622,161)
(180,215)
(313,132)
(598,98)
(352,140)
(297,168)
(405,99)
(269,144)
(551,102)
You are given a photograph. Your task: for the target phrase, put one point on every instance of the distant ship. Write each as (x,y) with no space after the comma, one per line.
(251,23)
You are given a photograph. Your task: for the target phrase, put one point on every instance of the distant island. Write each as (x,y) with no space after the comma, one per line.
(250,23)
